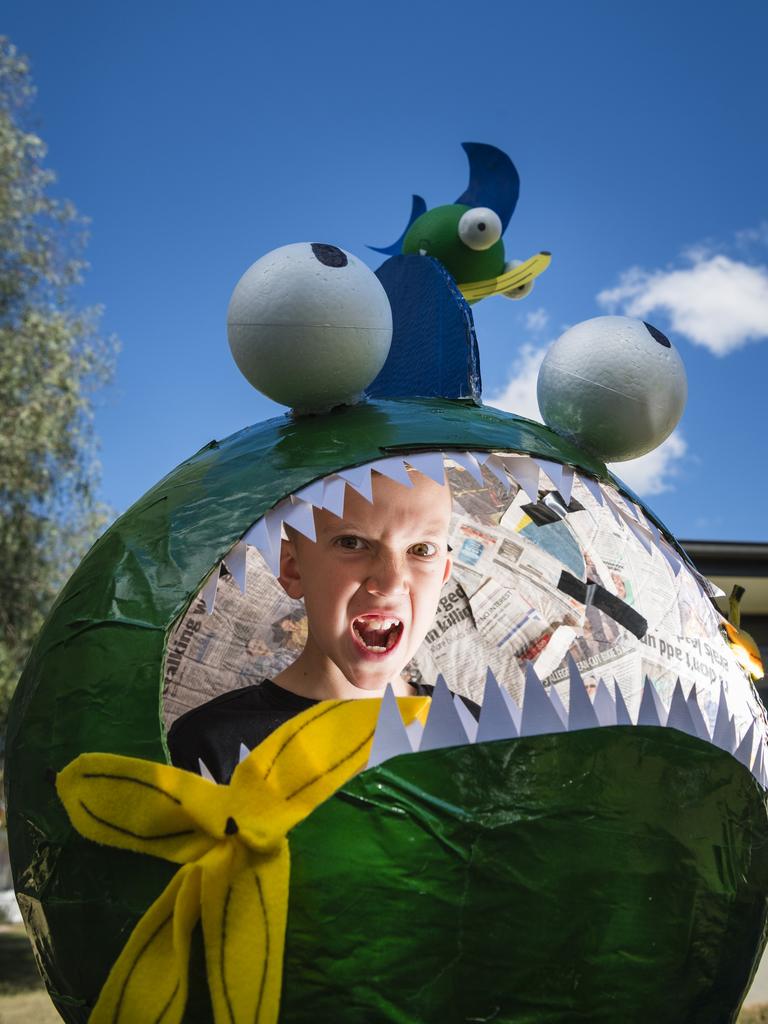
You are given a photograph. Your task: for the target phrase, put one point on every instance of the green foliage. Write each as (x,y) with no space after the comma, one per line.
(52,358)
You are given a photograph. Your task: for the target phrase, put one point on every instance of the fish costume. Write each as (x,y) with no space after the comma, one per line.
(593,848)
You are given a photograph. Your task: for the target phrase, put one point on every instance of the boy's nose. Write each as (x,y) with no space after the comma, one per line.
(387,576)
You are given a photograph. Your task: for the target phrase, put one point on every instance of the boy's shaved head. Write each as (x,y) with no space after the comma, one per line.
(370,582)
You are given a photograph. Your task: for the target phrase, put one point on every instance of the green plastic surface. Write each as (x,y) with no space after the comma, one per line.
(93,683)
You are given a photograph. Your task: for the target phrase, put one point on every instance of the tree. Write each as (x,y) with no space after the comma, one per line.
(52,359)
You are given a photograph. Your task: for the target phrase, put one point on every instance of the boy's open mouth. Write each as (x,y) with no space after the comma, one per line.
(378,634)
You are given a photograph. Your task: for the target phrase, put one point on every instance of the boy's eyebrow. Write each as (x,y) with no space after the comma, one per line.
(346,525)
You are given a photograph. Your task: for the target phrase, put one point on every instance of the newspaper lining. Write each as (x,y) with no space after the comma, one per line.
(501,608)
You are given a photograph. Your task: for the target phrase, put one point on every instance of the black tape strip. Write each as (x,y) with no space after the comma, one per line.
(540,515)
(550,508)
(603,600)
(573,587)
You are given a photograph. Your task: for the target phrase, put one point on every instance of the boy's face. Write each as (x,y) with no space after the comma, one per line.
(372,580)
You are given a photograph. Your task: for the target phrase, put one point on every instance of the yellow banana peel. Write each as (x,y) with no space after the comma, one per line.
(232,844)
(514,278)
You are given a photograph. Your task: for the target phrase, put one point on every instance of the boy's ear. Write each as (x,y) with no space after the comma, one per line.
(290,577)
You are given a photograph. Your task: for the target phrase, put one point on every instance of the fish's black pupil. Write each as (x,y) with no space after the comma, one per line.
(329,255)
(656,334)
(481,226)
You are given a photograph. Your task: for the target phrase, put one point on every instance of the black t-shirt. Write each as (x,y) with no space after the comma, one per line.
(214,731)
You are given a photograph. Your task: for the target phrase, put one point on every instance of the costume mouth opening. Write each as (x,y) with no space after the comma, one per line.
(377,634)
(579,604)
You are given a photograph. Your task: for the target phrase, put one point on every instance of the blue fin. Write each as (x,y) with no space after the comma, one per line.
(493,181)
(434,349)
(418,206)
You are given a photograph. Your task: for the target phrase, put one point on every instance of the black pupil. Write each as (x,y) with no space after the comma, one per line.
(329,255)
(481,226)
(656,334)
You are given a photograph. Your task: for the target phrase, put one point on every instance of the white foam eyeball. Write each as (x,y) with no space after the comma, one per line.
(613,385)
(479,228)
(309,326)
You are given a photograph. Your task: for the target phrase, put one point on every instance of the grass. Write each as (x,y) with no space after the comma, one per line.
(18,971)
(23,999)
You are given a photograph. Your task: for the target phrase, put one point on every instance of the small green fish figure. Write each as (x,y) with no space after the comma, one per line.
(466,235)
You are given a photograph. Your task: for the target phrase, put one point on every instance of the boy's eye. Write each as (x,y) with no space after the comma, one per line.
(350,543)
(423,549)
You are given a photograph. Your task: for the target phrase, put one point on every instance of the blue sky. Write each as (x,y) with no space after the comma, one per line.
(198,136)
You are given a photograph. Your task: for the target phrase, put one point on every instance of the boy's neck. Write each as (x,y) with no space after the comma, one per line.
(306,678)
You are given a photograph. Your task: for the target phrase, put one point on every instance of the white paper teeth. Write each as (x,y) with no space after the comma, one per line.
(699,722)
(428,463)
(204,770)
(593,487)
(496,722)
(208,593)
(450,723)
(443,728)
(759,768)
(334,492)
(554,470)
(468,461)
(668,552)
(623,716)
(467,719)
(558,705)
(258,537)
(312,493)
(743,751)
(359,477)
(539,714)
(679,713)
(642,535)
(330,492)
(235,562)
(720,731)
(515,711)
(613,508)
(496,466)
(243,752)
(525,472)
(561,476)
(651,708)
(393,468)
(604,705)
(301,517)
(390,738)
(273,522)
(581,713)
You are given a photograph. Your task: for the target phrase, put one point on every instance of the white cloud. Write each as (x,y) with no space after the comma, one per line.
(519,395)
(654,472)
(717,302)
(537,319)
(650,474)
(753,236)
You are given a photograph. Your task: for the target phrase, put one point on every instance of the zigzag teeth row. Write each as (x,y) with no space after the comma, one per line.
(522,470)
(450,724)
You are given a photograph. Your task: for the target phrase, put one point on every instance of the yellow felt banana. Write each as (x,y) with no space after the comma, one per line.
(514,278)
(233,844)
(149,979)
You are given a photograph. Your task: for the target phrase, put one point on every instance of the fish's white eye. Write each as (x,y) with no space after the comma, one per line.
(480,228)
